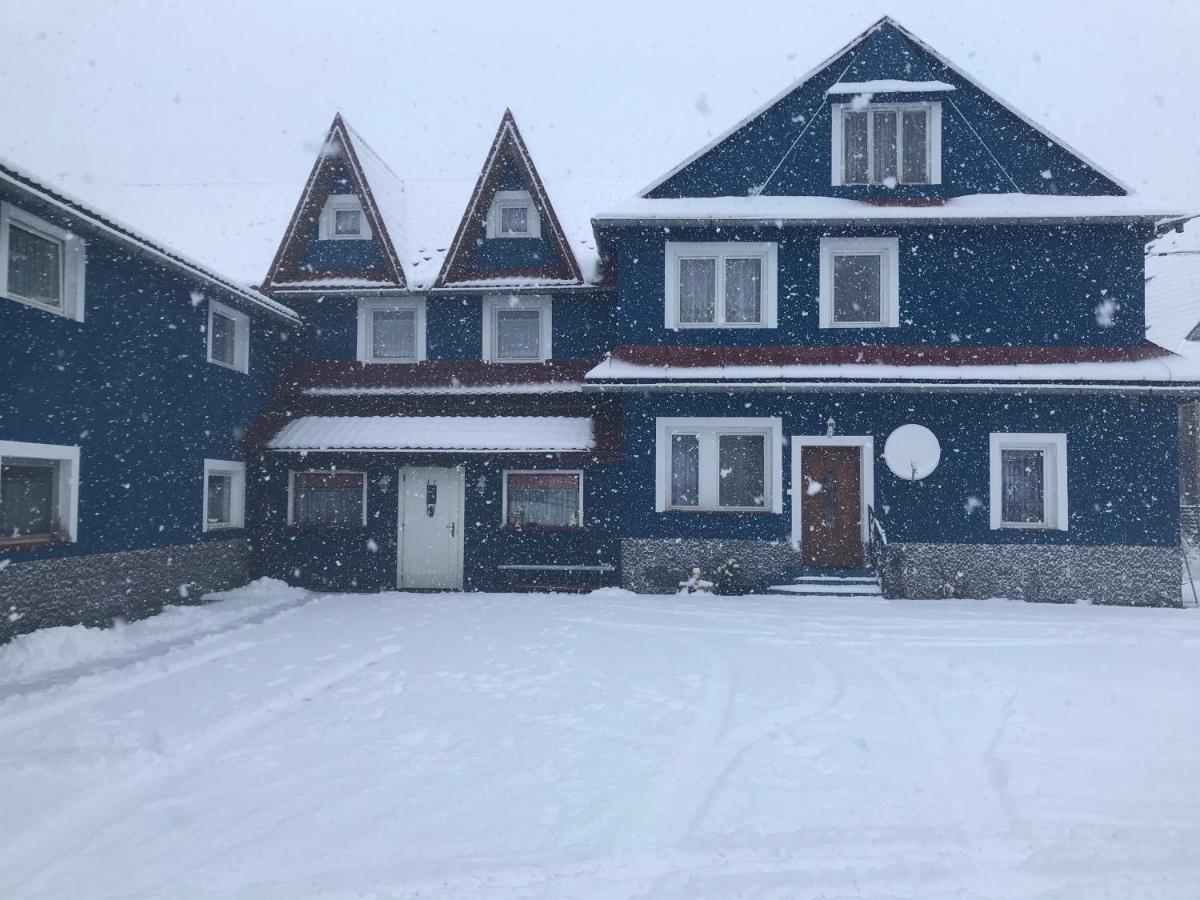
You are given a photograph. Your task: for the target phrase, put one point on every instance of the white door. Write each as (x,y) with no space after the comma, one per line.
(431,526)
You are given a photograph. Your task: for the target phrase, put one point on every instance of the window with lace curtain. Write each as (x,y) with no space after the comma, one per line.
(721,285)
(543,499)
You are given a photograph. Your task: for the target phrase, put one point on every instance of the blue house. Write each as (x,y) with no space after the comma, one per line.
(885,335)
(888,327)
(128,377)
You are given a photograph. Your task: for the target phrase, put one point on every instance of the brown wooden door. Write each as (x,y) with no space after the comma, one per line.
(831,506)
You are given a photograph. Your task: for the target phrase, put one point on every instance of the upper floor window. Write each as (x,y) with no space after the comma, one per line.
(228,337)
(720,285)
(343,219)
(41,264)
(887,144)
(39,493)
(860,282)
(391,331)
(1028,481)
(224,494)
(517,329)
(513,215)
(719,464)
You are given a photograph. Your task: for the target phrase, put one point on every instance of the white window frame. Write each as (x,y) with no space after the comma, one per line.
(1056,513)
(888,248)
(510,200)
(291,509)
(767,251)
(72,257)
(236,471)
(366,325)
(933,141)
(68,477)
(708,430)
(241,337)
(334,203)
(542,303)
(504,496)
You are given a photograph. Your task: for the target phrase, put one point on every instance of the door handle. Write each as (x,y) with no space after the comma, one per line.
(451,526)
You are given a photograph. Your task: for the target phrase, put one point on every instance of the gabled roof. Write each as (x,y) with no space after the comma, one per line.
(372,181)
(508,146)
(882,23)
(114,228)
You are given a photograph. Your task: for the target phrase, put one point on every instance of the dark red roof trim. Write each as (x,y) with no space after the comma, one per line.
(690,357)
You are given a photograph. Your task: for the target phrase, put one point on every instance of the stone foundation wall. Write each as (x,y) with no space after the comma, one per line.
(657,565)
(94,590)
(1058,573)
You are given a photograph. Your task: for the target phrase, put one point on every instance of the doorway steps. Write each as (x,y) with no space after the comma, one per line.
(830,585)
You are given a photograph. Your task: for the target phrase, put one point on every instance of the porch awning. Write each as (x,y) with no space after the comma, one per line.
(468,434)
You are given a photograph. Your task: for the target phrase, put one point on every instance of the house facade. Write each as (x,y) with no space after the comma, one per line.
(884,335)
(129,376)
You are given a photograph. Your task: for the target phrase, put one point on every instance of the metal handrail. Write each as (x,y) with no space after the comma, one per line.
(876,541)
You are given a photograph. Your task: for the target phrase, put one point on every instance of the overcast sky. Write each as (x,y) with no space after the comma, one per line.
(99,95)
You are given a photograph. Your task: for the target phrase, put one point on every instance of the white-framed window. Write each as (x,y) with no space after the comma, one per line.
(517,328)
(860,282)
(224,495)
(721,285)
(731,464)
(1028,481)
(543,498)
(887,143)
(343,219)
(39,493)
(391,330)
(327,498)
(41,264)
(228,337)
(513,214)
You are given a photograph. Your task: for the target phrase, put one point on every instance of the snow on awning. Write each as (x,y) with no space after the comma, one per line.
(889,86)
(473,434)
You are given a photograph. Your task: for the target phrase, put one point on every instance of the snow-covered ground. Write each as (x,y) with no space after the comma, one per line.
(281,745)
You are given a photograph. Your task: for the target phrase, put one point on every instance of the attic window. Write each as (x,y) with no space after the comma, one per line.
(513,215)
(887,143)
(342,219)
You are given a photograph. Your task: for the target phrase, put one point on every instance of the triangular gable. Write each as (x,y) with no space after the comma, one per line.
(783,147)
(338,170)
(550,261)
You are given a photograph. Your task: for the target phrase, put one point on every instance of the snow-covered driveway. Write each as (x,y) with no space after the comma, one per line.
(281,745)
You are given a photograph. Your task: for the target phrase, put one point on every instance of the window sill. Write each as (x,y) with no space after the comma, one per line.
(739,511)
(541,529)
(31,542)
(224,365)
(723,326)
(321,529)
(1026,526)
(44,307)
(390,362)
(220,529)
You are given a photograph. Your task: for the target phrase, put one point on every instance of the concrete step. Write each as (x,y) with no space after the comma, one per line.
(823,587)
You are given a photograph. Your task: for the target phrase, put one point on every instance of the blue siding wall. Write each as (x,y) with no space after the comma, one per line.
(996,153)
(365,560)
(583,326)
(1121,467)
(981,285)
(132,388)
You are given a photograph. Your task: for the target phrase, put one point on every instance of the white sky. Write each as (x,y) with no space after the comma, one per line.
(102,96)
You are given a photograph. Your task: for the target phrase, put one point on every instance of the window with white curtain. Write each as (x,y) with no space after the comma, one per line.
(720,285)
(1028,481)
(543,499)
(328,499)
(887,143)
(719,464)
(391,330)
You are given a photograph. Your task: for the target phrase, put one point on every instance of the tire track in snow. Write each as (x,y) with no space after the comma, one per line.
(146,672)
(36,849)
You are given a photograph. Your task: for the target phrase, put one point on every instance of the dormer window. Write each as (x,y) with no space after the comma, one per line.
(342,219)
(513,215)
(887,143)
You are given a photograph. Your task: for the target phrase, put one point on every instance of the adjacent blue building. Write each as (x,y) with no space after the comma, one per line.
(884,335)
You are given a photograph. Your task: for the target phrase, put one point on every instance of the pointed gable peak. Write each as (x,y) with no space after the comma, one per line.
(500,240)
(323,247)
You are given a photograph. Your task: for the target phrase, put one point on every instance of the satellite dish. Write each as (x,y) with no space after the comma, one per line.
(912,452)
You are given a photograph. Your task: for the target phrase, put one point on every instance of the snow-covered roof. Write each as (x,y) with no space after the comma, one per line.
(972,207)
(889,86)
(1173,289)
(128,235)
(483,434)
